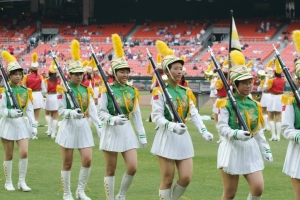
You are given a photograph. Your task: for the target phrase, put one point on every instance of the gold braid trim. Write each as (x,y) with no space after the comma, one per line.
(287,99)
(60,89)
(221,103)
(137,94)
(80,103)
(218,84)
(30,95)
(62,185)
(260,120)
(134,103)
(106,190)
(153,78)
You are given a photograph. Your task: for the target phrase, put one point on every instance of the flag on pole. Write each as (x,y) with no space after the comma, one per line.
(235,41)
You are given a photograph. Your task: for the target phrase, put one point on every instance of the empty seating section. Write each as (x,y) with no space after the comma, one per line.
(97,33)
(288,55)
(294,25)
(158,30)
(250,29)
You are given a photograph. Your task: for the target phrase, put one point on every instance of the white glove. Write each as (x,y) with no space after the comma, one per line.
(241,135)
(119,120)
(99,129)
(34,132)
(76,114)
(268,155)
(208,136)
(143,140)
(14,113)
(180,128)
(296,138)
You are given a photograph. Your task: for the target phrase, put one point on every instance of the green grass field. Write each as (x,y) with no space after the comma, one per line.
(43,174)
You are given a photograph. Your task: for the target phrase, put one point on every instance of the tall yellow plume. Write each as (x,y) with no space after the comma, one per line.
(52,69)
(85,63)
(249,64)
(182,57)
(209,67)
(34,57)
(278,68)
(118,47)
(225,62)
(163,49)
(158,59)
(9,58)
(296,39)
(92,63)
(237,58)
(270,63)
(75,50)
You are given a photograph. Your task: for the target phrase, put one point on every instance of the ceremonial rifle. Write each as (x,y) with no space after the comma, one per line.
(12,98)
(108,88)
(164,89)
(288,76)
(235,107)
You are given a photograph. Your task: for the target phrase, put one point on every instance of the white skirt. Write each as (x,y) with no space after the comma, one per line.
(14,128)
(170,145)
(74,133)
(237,157)
(38,100)
(51,102)
(265,99)
(291,165)
(118,138)
(96,92)
(274,103)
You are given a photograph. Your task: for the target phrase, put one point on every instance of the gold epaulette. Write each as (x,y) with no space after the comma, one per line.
(269,83)
(156,91)
(287,98)
(191,95)
(30,94)
(2,90)
(137,94)
(24,80)
(60,89)
(221,103)
(218,84)
(102,89)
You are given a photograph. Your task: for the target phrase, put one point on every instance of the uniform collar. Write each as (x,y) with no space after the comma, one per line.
(171,85)
(73,85)
(238,96)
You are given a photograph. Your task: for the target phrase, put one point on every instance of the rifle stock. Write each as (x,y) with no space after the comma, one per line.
(164,89)
(236,109)
(108,88)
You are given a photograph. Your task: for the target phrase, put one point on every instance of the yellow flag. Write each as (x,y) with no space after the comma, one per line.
(235,41)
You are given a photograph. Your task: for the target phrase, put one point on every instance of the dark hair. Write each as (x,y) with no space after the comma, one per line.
(278,75)
(182,80)
(177,61)
(13,72)
(34,71)
(122,68)
(52,77)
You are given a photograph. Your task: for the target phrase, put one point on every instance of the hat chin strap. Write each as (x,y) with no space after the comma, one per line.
(171,75)
(117,78)
(238,91)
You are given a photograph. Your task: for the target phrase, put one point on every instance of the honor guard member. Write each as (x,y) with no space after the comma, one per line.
(291,128)
(172,143)
(74,131)
(239,153)
(36,83)
(118,134)
(13,125)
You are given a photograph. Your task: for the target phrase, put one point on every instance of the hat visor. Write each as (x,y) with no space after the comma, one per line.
(77,71)
(122,67)
(241,78)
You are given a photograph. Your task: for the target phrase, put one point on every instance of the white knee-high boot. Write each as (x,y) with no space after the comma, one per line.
(165,194)
(7,165)
(34,137)
(83,177)
(53,128)
(109,184)
(47,117)
(267,126)
(177,191)
(278,130)
(23,163)
(65,179)
(125,184)
(250,197)
(272,127)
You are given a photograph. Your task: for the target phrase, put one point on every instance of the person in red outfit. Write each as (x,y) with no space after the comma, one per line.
(36,83)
